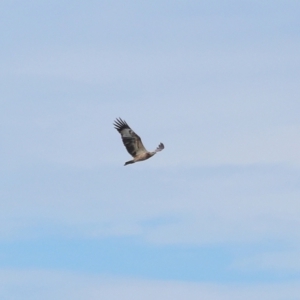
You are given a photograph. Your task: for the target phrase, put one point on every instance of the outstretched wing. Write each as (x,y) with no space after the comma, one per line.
(131,140)
(160,147)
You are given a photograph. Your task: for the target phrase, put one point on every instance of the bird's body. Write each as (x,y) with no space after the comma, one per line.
(133,143)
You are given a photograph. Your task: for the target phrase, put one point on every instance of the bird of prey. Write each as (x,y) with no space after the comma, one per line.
(133,143)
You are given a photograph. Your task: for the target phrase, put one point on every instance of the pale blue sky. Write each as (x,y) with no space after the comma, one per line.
(215,215)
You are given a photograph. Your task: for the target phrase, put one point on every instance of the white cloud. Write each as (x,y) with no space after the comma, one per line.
(211,103)
(275,261)
(48,285)
(190,206)
(83,135)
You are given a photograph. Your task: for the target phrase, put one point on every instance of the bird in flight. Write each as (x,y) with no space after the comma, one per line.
(133,143)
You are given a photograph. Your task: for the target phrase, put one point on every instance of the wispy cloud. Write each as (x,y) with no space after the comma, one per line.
(284,261)
(203,205)
(40,284)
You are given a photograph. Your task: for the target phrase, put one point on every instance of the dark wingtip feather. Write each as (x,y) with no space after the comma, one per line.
(120,124)
(160,147)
